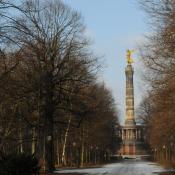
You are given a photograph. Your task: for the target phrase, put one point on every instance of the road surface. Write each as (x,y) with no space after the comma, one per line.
(127,167)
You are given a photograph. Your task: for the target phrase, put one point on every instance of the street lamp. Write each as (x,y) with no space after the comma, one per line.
(172,150)
(49,138)
(155,153)
(164,152)
(91,157)
(74,152)
(74,144)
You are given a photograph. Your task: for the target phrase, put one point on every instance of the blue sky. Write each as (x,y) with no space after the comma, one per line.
(114,26)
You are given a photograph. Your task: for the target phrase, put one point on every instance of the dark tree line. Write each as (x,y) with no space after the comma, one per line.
(51,104)
(158,57)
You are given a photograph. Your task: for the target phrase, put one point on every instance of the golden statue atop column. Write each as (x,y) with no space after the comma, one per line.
(129,57)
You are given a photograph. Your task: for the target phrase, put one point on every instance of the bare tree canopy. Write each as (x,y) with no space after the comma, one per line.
(158,57)
(49,85)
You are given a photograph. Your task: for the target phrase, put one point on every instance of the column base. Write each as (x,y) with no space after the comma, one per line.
(130,122)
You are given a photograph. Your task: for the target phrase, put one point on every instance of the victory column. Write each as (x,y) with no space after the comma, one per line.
(131,133)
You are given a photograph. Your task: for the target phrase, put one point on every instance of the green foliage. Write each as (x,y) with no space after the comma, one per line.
(19,164)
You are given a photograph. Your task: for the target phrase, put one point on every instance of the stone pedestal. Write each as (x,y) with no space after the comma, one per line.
(132,141)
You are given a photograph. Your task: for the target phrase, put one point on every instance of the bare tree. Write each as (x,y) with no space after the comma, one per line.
(50,38)
(158,56)
(52,86)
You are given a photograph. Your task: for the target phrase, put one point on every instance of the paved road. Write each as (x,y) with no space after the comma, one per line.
(128,167)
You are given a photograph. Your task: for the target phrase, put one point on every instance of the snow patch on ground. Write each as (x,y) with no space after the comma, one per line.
(128,167)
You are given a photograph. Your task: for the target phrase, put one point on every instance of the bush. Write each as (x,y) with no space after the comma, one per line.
(19,164)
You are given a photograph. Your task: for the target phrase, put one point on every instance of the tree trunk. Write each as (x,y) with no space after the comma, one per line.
(49,125)
(57,152)
(82,147)
(21,140)
(33,140)
(63,158)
